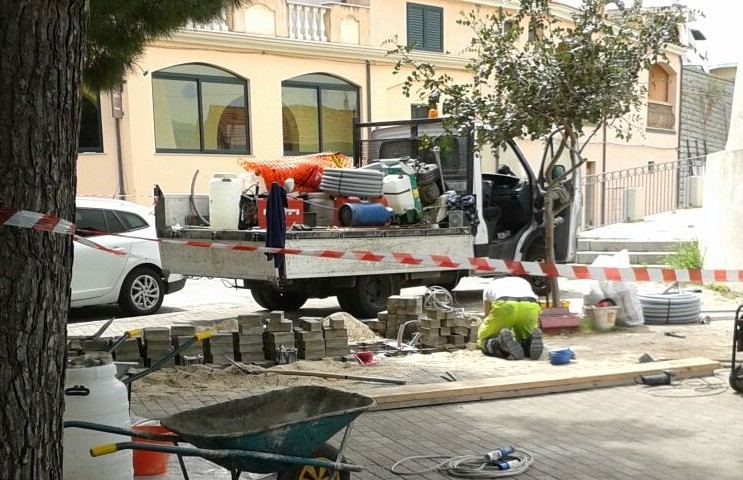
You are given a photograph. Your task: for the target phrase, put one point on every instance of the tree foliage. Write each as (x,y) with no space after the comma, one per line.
(120,31)
(533,73)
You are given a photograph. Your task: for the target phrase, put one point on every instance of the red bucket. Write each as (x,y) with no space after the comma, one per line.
(150,463)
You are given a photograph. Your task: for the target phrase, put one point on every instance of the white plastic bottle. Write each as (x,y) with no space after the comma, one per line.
(224,201)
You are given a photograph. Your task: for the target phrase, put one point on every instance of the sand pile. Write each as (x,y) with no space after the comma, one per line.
(357,330)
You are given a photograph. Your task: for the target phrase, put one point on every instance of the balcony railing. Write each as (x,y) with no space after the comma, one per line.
(217,25)
(307,22)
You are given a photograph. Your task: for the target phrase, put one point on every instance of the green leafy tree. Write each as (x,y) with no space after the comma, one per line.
(43,48)
(534,74)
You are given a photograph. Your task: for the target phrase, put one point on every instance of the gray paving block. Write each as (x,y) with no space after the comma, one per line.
(250,320)
(182,330)
(157,334)
(335,333)
(250,330)
(339,342)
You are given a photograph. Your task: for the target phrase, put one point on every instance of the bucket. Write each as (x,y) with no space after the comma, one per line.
(150,463)
(94,394)
(602,318)
(364,214)
(224,201)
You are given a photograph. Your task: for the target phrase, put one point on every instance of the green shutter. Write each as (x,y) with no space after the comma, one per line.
(415,25)
(425,27)
(433,32)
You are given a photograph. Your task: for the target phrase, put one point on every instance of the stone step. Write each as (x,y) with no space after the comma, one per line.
(635,258)
(616,245)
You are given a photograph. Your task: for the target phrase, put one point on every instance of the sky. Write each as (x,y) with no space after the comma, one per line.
(721,25)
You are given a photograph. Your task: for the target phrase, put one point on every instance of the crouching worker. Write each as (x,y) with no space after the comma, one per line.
(511,314)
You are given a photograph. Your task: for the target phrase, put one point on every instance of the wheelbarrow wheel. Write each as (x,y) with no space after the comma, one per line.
(309,472)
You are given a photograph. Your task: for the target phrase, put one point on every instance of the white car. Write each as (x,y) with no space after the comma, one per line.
(135,281)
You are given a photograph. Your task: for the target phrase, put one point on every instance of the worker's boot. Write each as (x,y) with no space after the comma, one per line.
(510,345)
(536,345)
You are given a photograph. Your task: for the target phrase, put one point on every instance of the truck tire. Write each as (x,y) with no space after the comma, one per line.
(369,296)
(272,299)
(540,285)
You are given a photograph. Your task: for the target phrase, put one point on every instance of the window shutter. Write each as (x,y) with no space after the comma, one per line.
(415,26)
(433,33)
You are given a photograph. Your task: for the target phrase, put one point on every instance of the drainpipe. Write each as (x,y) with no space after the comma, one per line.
(117,110)
(368,91)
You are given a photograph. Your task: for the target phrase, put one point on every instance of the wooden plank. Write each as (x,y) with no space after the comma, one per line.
(562,380)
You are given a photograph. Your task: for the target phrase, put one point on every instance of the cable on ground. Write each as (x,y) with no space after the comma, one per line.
(472,466)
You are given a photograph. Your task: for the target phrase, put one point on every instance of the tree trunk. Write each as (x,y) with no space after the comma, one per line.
(41,49)
(549,243)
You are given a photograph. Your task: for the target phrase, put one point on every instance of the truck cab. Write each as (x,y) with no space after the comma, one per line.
(509,195)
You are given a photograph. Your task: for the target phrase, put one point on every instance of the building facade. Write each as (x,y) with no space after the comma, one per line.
(282,77)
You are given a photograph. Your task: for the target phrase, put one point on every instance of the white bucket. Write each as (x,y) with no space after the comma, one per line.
(603,318)
(224,201)
(398,191)
(94,394)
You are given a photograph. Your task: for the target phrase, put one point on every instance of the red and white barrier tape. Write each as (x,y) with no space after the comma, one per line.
(25,219)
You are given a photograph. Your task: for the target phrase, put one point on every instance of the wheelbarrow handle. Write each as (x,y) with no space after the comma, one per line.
(222,454)
(126,335)
(163,437)
(156,366)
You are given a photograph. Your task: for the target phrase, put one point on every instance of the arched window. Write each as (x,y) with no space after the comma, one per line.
(661,96)
(317,113)
(200,109)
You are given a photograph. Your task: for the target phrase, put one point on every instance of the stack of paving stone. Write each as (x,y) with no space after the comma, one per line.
(336,338)
(157,345)
(219,346)
(194,353)
(248,340)
(95,345)
(130,350)
(278,333)
(310,339)
(441,328)
(400,309)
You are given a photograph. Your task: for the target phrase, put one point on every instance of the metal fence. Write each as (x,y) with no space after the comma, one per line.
(623,195)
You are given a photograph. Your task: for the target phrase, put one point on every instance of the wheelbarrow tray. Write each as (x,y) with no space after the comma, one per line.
(293,421)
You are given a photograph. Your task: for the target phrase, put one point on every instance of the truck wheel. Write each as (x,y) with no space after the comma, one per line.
(369,296)
(272,299)
(540,285)
(309,472)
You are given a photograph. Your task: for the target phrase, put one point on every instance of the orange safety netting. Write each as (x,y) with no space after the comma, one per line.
(306,170)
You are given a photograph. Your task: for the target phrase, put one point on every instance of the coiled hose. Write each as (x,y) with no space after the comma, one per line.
(470,466)
(673,306)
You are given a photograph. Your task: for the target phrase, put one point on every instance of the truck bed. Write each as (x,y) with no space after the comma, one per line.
(224,263)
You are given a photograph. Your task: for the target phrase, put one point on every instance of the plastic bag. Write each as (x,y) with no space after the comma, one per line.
(624,294)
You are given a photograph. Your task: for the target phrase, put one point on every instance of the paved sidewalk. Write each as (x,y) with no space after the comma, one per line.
(615,433)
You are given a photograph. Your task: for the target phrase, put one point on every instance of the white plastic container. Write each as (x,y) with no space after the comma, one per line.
(399,193)
(94,394)
(224,201)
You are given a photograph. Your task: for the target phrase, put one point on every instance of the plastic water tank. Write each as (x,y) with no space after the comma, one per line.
(224,201)
(94,394)
(398,191)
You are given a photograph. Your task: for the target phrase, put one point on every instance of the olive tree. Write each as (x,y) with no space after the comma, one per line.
(534,74)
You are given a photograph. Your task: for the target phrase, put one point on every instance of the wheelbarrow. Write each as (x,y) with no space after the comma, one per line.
(736,371)
(283,431)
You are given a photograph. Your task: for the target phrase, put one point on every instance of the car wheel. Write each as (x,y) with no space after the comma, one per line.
(271,299)
(143,292)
